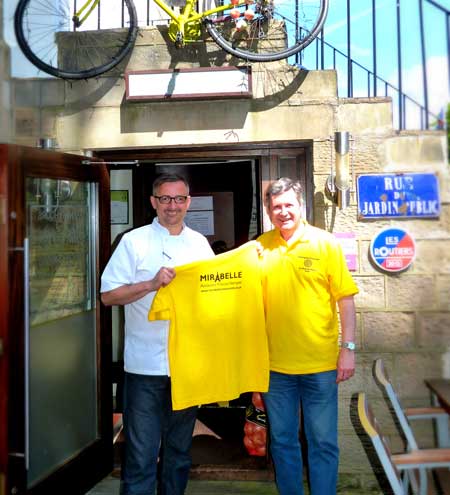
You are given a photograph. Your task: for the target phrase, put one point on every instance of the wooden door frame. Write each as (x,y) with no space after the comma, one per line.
(29,162)
(265,152)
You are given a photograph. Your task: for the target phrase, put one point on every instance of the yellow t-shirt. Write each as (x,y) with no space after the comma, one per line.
(302,283)
(217,340)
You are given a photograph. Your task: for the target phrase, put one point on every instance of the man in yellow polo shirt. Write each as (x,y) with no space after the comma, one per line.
(305,279)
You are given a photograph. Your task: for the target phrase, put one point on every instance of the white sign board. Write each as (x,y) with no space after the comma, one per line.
(189,84)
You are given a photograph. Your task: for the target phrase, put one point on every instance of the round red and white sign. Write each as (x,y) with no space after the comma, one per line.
(392,250)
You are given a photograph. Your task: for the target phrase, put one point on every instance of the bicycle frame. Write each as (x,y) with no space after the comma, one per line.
(76,18)
(251,30)
(184,27)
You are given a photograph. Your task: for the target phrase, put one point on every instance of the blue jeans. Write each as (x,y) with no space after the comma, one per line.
(316,396)
(153,430)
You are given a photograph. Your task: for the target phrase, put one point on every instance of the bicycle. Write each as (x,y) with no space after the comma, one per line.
(63,41)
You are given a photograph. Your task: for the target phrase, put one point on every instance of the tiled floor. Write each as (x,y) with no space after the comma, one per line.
(110,485)
(219,459)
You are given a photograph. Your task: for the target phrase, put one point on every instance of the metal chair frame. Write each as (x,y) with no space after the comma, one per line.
(404,416)
(401,470)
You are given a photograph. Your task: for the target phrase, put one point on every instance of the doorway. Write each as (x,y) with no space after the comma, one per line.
(226,185)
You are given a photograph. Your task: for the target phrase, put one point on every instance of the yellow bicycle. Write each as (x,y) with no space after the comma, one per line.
(75,40)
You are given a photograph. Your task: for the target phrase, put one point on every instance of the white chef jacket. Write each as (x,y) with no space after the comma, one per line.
(138,257)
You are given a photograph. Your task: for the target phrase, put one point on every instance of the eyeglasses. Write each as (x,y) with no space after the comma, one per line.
(165,200)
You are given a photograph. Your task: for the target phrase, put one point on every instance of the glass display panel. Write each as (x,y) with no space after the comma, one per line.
(63,415)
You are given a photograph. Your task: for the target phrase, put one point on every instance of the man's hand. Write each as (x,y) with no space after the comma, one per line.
(129,293)
(345,365)
(163,277)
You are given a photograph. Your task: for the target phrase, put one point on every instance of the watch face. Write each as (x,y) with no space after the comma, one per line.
(349,345)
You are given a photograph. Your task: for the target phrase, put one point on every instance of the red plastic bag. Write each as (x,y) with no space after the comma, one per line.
(255,428)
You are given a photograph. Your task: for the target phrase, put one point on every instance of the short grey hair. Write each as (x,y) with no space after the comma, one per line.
(164,178)
(282,185)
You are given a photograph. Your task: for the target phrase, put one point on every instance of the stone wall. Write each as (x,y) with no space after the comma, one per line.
(404,318)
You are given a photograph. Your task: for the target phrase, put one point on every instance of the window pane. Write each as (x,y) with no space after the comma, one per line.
(62,323)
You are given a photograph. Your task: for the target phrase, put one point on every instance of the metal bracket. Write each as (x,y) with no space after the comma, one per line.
(130,162)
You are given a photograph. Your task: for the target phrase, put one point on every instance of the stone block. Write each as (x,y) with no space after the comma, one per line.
(366,264)
(27,93)
(318,85)
(97,92)
(284,84)
(388,331)
(420,152)
(53,92)
(443,292)
(371,292)
(410,292)
(27,123)
(157,35)
(434,330)
(5,111)
(327,215)
(323,155)
(360,116)
(432,257)
(432,228)
(365,153)
(410,371)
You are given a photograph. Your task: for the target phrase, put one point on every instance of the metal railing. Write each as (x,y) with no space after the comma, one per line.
(327,56)
(350,71)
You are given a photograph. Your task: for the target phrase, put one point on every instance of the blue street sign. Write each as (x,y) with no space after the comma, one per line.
(405,195)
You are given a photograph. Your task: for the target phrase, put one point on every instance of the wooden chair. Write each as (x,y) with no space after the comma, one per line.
(396,473)
(402,417)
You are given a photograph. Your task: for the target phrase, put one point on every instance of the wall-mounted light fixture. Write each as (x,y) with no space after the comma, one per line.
(338,183)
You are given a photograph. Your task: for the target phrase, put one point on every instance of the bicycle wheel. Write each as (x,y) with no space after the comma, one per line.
(268,30)
(46,34)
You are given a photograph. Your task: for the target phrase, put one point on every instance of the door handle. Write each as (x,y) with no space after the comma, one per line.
(26,320)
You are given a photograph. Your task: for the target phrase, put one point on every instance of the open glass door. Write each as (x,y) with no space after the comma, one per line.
(60,398)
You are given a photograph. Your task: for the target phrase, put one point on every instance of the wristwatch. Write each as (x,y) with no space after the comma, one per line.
(349,345)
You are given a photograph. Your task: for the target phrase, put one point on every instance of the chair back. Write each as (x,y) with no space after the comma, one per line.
(400,419)
(378,442)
